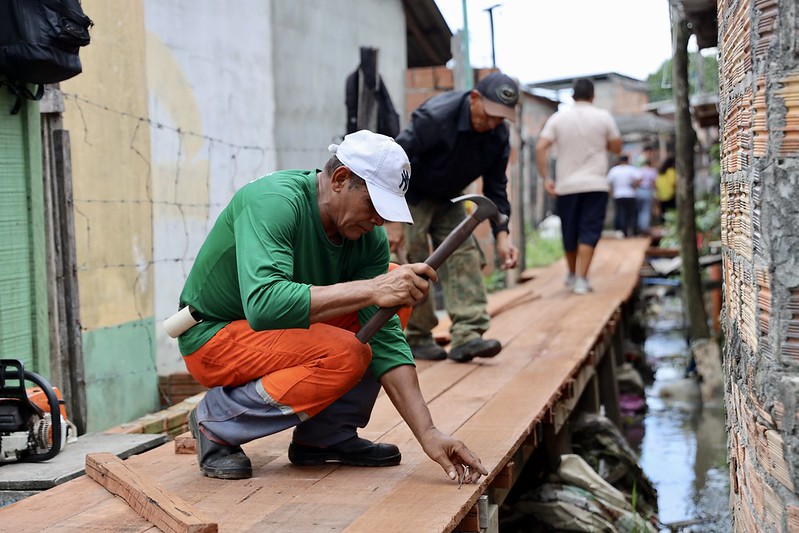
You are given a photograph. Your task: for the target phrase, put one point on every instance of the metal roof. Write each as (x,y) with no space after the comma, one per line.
(644,123)
(428,35)
(566,83)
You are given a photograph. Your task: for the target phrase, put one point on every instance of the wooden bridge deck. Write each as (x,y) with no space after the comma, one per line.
(555,355)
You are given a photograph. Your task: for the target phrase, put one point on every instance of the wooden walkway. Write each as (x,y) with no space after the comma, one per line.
(560,350)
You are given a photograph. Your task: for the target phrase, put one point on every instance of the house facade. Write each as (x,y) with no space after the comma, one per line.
(179,104)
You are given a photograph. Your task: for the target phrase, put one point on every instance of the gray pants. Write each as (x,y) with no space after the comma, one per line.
(241,414)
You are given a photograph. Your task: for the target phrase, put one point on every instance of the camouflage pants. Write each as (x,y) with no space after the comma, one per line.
(460,276)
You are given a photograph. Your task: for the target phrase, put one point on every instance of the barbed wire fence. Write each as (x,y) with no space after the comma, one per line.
(177,158)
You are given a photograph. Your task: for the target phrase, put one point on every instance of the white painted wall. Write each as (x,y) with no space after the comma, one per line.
(252,86)
(316,46)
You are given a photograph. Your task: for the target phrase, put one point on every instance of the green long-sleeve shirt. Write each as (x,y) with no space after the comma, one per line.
(266,250)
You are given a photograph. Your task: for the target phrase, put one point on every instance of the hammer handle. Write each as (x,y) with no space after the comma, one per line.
(457,237)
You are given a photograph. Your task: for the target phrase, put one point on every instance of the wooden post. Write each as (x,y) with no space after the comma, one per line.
(693,293)
(72,361)
(589,401)
(609,389)
(556,444)
(368,81)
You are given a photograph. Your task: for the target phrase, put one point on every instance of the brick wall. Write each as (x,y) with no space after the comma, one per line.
(759,109)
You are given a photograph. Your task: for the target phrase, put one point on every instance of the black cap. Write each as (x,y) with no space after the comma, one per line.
(501,95)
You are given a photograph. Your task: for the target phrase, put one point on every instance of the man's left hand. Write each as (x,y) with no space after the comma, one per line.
(507,251)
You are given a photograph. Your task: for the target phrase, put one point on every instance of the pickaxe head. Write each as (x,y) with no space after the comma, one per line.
(486,209)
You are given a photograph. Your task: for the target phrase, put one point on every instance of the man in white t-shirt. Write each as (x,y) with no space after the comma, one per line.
(624,180)
(582,135)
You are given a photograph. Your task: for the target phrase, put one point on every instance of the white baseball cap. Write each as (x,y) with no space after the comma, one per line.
(384,166)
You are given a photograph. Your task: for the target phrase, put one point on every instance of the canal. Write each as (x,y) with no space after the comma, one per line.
(682,443)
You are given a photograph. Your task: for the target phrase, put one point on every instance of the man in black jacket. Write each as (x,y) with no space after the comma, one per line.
(453,139)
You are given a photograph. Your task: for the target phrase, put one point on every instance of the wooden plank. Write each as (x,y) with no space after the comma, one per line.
(499,303)
(494,405)
(494,431)
(168,512)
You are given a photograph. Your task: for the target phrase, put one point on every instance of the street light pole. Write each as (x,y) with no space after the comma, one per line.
(467,60)
(491,21)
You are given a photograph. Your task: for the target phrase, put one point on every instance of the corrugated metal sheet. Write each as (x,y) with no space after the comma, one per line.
(16,291)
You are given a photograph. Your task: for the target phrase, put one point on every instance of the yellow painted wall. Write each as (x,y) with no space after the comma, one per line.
(111,168)
(106,110)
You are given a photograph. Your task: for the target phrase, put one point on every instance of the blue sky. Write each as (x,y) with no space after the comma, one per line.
(538,40)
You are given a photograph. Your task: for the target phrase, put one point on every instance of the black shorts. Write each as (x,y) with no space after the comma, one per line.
(582,217)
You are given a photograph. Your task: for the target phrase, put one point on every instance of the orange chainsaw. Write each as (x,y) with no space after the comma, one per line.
(33,421)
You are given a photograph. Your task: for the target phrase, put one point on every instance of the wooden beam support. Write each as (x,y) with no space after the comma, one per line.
(575,386)
(167,512)
(470,522)
(556,443)
(609,387)
(589,400)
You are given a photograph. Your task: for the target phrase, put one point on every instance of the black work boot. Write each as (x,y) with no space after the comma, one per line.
(354,451)
(429,351)
(217,460)
(475,348)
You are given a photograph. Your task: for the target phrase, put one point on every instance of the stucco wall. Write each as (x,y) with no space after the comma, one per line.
(211,95)
(180,104)
(104,108)
(262,86)
(316,46)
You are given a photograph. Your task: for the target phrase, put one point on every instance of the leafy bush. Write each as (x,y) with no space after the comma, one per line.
(708,225)
(541,251)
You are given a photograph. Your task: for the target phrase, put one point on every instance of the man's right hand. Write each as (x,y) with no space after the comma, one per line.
(396,235)
(549,186)
(402,386)
(405,285)
(453,456)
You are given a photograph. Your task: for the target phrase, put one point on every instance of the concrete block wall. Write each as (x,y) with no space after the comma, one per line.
(759,109)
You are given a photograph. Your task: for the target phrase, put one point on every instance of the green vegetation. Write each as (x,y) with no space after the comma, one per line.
(541,251)
(495,281)
(708,225)
(707,211)
(660,81)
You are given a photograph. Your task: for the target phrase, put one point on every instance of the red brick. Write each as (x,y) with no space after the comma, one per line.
(423,77)
(444,80)
(415,100)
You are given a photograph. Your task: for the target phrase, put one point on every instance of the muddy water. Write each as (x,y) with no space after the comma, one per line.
(683,445)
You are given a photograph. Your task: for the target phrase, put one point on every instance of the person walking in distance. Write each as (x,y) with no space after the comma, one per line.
(453,139)
(295,264)
(666,187)
(644,197)
(624,180)
(583,135)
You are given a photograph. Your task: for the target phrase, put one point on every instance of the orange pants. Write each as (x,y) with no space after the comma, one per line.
(304,369)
